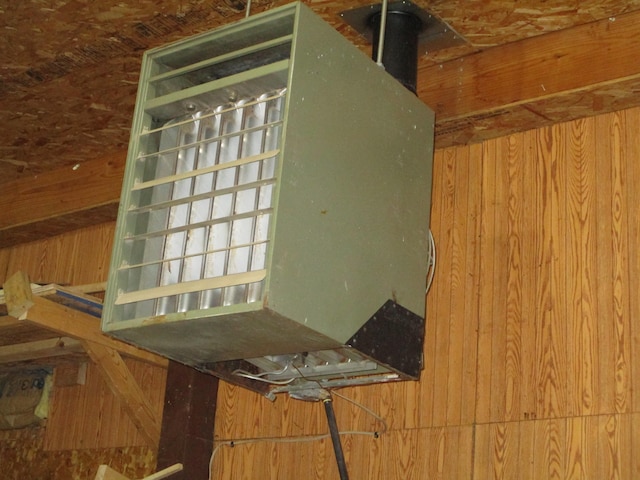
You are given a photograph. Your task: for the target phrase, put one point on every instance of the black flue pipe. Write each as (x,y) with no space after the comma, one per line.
(335,438)
(400,49)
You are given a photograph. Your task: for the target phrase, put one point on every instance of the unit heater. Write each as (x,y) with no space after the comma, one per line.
(273,225)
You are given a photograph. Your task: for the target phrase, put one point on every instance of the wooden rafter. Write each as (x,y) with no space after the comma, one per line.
(559,76)
(103,350)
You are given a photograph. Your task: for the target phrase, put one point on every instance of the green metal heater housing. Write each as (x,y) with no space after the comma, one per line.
(276,197)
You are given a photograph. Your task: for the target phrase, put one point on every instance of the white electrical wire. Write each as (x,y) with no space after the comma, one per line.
(259,376)
(302,438)
(369,411)
(248,9)
(383,27)
(432,262)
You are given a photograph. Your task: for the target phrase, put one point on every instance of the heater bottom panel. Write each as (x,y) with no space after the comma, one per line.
(218,338)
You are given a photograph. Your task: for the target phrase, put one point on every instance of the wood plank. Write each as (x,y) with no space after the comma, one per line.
(526,450)
(105,472)
(473,277)
(428,389)
(446,274)
(510,85)
(165,472)
(604,264)
(632,150)
(464,273)
(486,315)
(498,201)
(513,285)
(82,326)
(621,291)
(457,271)
(33,209)
(581,268)
(531,232)
(550,333)
(53,347)
(124,386)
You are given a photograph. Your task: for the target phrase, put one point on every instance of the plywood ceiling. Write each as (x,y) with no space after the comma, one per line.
(69,68)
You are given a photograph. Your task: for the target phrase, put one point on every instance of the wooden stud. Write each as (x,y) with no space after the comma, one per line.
(124,386)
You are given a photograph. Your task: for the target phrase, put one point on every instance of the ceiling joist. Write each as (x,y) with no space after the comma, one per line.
(572,73)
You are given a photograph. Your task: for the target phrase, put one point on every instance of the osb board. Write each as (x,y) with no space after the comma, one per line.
(22,456)
(69,70)
(530,341)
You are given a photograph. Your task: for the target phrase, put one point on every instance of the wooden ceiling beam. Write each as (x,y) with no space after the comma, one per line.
(563,75)
(61,200)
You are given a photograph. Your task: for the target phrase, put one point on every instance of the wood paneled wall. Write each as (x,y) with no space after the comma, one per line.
(86,424)
(532,355)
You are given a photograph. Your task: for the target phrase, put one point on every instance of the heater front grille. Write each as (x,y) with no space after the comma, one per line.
(201,208)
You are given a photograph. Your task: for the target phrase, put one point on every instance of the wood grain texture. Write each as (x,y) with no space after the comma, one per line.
(33,206)
(86,425)
(532,347)
(531,343)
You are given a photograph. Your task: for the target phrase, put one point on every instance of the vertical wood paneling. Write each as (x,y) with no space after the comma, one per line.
(443,286)
(634,466)
(577,452)
(485,313)
(620,265)
(527,451)
(473,275)
(581,318)
(532,350)
(514,285)
(498,204)
(83,416)
(532,266)
(428,387)
(550,332)
(457,272)
(532,338)
(604,283)
(632,150)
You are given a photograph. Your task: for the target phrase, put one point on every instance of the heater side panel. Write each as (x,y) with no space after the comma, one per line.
(352,213)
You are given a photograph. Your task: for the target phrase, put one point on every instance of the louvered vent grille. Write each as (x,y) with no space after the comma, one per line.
(202,209)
